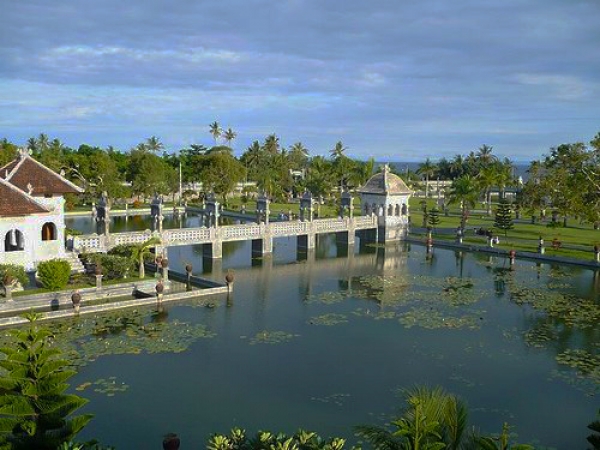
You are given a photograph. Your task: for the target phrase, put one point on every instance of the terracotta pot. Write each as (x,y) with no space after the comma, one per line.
(76,298)
(159,287)
(165,263)
(189,268)
(98,269)
(512,254)
(229,277)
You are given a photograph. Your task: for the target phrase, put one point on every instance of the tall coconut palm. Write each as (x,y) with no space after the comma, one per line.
(32,145)
(298,155)
(457,166)
(271,145)
(486,179)
(464,191)
(215,130)
(427,169)
(338,151)
(229,135)
(484,155)
(140,251)
(153,144)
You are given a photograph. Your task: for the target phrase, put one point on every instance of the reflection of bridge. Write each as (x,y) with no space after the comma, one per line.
(261,235)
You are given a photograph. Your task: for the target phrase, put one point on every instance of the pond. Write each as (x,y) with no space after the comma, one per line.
(326,343)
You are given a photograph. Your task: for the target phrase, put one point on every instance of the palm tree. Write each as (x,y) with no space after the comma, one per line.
(153,144)
(32,144)
(484,155)
(43,142)
(486,179)
(457,166)
(433,419)
(271,145)
(298,155)
(229,136)
(140,251)
(427,169)
(338,151)
(215,130)
(464,191)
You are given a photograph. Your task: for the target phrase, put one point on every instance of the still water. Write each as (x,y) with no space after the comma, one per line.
(325,343)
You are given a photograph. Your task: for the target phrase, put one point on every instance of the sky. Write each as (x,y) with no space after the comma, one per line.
(392,79)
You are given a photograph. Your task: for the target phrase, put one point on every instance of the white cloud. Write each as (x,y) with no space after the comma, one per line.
(564,87)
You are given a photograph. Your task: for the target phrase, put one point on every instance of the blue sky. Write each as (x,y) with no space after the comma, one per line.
(393,79)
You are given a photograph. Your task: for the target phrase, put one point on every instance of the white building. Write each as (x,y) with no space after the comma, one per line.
(32,221)
(386,196)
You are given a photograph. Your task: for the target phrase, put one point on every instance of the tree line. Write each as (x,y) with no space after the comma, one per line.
(147,169)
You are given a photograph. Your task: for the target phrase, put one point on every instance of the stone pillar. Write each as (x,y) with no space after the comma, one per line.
(103,215)
(99,284)
(262,209)
(165,269)
(459,235)
(212,210)
(512,255)
(541,249)
(597,253)
(306,207)
(156,213)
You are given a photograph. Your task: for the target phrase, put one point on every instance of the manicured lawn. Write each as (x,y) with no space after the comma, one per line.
(577,240)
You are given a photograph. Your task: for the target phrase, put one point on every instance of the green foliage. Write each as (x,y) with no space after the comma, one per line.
(92,445)
(503,219)
(34,410)
(594,438)
(433,218)
(221,173)
(54,274)
(12,273)
(501,442)
(141,251)
(113,266)
(432,420)
(302,440)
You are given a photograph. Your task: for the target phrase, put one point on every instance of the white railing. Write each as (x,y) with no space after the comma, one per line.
(89,243)
(361,222)
(330,225)
(202,235)
(185,236)
(293,228)
(241,232)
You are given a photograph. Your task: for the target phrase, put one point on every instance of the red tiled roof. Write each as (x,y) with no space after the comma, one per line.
(25,171)
(14,202)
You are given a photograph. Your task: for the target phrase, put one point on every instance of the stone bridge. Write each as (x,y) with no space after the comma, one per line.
(260,234)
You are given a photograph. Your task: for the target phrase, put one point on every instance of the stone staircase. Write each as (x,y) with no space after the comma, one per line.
(76,264)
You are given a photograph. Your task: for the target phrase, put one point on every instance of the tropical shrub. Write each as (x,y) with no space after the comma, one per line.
(113,266)
(34,409)
(302,440)
(11,274)
(54,274)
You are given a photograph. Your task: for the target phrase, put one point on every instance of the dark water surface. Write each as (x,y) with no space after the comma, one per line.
(326,343)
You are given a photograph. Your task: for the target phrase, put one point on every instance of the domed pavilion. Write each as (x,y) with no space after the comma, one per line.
(386,196)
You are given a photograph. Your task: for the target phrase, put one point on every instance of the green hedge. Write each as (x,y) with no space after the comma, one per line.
(54,274)
(113,266)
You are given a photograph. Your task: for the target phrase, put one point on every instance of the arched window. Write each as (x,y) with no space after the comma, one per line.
(49,232)
(13,241)
(390,210)
(397,209)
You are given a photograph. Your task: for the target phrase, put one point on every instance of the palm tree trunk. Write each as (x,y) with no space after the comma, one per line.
(489,201)
(142,268)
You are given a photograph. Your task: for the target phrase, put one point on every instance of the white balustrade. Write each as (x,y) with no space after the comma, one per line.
(202,235)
